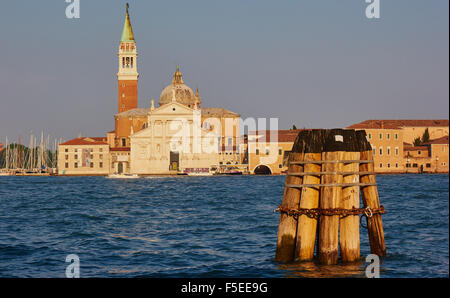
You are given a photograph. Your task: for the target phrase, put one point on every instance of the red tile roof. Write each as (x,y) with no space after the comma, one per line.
(397,124)
(86,141)
(442,140)
(101,139)
(120,149)
(415,148)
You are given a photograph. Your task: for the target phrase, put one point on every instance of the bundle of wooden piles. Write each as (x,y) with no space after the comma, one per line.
(319,213)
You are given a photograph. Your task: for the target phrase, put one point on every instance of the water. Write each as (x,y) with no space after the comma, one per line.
(199,227)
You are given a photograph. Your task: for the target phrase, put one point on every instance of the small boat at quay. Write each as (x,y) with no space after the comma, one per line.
(199,174)
(123,176)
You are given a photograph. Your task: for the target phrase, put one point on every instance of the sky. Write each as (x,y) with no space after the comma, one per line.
(312,63)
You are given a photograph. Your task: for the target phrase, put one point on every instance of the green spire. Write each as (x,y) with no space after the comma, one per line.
(127,33)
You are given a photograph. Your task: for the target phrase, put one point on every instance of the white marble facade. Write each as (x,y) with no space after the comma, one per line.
(173,142)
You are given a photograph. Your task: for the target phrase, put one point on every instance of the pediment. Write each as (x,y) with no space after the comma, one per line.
(173,108)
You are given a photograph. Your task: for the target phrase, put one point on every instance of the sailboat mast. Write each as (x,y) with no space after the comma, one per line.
(7,154)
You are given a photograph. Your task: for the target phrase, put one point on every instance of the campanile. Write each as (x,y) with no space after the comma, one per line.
(127,75)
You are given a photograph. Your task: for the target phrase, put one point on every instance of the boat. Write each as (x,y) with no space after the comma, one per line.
(123,176)
(6,173)
(199,174)
(227,170)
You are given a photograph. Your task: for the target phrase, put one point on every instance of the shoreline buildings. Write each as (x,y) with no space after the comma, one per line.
(392,144)
(393,150)
(180,135)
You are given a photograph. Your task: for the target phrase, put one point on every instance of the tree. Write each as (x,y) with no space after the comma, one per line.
(417,141)
(425,136)
(294,127)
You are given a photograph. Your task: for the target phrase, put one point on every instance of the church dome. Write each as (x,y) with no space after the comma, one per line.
(183,94)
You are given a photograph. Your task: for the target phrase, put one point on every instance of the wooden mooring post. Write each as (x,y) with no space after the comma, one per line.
(328,169)
(288,224)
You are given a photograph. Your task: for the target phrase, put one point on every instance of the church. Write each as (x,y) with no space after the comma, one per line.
(176,135)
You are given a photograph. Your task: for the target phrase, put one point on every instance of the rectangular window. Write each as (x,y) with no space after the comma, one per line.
(257,151)
(381,136)
(408,165)
(124,142)
(67,165)
(428,165)
(388,150)
(76,156)
(280,151)
(419,152)
(388,165)
(101,150)
(374,150)
(370,136)
(101,165)
(388,136)
(91,165)
(280,166)
(414,165)
(396,164)
(267,151)
(381,150)
(397,152)
(381,165)
(101,156)
(66,150)
(67,157)
(396,136)
(75,165)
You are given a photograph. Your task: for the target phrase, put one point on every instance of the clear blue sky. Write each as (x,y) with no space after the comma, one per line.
(313,63)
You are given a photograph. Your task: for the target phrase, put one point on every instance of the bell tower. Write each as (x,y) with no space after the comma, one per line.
(127,75)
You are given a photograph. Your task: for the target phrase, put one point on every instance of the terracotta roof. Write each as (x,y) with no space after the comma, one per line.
(86,141)
(97,139)
(284,136)
(442,140)
(217,112)
(120,149)
(415,148)
(397,124)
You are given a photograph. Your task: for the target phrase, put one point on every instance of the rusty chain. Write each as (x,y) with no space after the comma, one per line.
(317,212)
